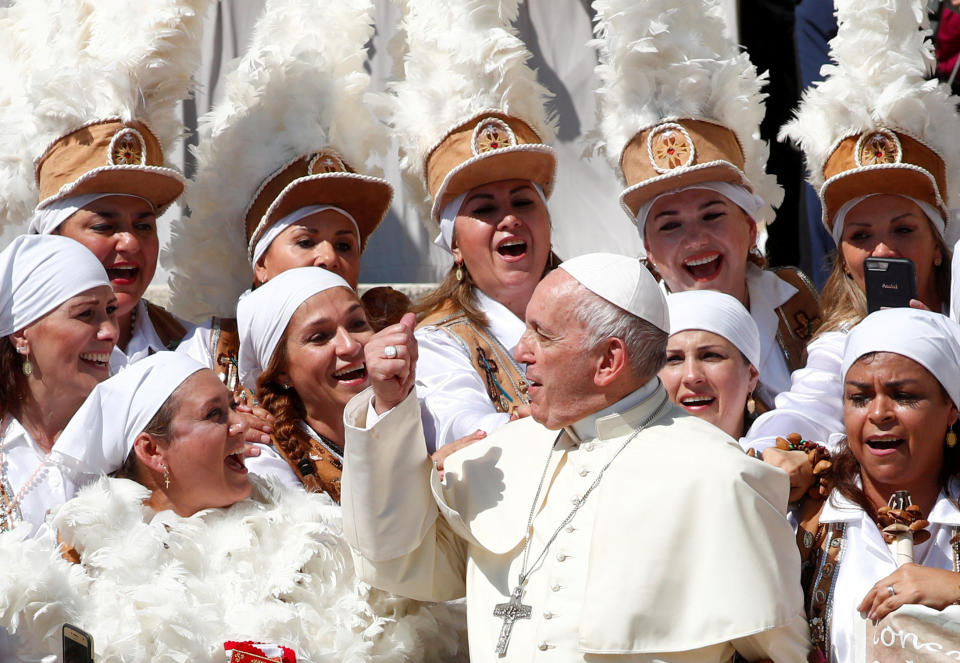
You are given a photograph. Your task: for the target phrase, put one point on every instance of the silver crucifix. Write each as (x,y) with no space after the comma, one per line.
(510,612)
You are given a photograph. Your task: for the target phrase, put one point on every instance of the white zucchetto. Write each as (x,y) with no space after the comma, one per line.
(623,282)
(38,273)
(99,437)
(263,315)
(930,339)
(717,313)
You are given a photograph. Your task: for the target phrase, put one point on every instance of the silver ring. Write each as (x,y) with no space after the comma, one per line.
(390,352)
(891,590)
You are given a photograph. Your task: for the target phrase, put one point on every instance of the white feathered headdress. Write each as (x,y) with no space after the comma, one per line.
(91,91)
(289,132)
(876,123)
(679,104)
(469,110)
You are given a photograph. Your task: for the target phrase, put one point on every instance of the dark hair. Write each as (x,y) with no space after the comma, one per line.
(159,427)
(13,383)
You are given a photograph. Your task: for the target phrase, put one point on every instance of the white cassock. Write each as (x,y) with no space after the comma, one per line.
(813,406)
(683,546)
(453,397)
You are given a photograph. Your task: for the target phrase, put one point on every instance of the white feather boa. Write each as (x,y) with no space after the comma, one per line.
(272,568)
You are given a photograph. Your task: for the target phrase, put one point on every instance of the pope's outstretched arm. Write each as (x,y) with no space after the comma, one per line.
(390,518)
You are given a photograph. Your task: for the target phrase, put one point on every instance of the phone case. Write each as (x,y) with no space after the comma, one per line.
(890,283)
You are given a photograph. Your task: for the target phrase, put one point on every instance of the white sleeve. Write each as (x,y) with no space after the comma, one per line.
(814,405)
(271,465)
(196,344)
(453,398)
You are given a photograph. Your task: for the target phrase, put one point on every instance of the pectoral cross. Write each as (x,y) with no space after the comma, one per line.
(510,612)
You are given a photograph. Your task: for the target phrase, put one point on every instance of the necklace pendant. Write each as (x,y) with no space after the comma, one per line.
(510,612)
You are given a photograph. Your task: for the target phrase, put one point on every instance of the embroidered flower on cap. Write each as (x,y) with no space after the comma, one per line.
(878,147)
(326,162)
(127,148)
(669,146)
(492,134)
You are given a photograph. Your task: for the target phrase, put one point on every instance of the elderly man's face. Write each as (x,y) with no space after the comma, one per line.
(560,367)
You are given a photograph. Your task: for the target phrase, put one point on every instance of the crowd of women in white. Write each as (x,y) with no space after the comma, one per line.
(229,451)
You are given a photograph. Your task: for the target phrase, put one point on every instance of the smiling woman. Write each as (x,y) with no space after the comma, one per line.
(301,345)
(58,328)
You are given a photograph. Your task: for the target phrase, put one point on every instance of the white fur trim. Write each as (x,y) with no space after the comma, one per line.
(151,586)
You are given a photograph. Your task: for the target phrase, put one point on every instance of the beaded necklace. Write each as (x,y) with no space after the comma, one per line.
(10,514)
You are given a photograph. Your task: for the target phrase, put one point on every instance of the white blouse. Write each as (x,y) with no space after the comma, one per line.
(865,559)
(453,397)
(33,485)
(767,292)
(813,406)
(144,341)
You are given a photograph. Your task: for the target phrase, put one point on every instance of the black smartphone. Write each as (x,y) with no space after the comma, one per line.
(890,282)
(77,645)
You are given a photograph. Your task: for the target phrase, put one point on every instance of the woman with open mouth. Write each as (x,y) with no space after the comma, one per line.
(302,336)
(58,329)
(687,144)
(886,184)
(887,534)
(293,115)
(712,358)
(181,553)
(474,132)
(101,175)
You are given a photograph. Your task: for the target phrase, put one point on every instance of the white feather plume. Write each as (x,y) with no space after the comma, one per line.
(663,59)
(273,568)
(882,58)
(300,87)
(462,57)
(69,62)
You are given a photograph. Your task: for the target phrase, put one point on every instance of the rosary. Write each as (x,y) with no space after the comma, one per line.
(515,609)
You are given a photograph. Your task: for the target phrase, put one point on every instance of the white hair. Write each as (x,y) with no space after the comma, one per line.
(646,344)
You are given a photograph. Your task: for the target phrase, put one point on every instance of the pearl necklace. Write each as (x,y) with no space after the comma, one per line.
(12,506)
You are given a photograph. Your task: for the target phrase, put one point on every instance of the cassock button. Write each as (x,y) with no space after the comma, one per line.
(543,646)
(568,529)
(555,587)
(575,499)
(547,614)
(561,557)
(589,446)
(584,473)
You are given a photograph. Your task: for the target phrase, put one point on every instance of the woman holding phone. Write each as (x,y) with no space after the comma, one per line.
(884,177)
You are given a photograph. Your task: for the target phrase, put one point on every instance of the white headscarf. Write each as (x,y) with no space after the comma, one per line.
(100,435)
(47,220)
(274,230)
(841,216)
(40,272)
(738,195)
(930,339)
(452,209)
(263,315)
(718,313)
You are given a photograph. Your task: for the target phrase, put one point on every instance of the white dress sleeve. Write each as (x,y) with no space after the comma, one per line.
(813,406)
(453,398)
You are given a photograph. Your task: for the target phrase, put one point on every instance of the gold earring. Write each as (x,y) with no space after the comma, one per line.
(937,261)
(166,477)
(951,439)
(459,271)
(27,366)
(751,405)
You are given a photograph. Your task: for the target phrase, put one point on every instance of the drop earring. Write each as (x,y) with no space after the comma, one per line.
(459,271)
(27,366)
(951,438)
(166,477)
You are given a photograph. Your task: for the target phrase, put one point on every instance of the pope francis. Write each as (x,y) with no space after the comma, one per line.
(610,525)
